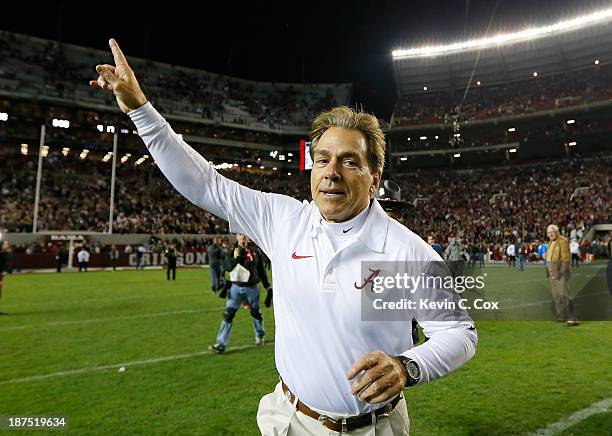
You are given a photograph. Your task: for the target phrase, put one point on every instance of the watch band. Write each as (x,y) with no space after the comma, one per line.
(413,370)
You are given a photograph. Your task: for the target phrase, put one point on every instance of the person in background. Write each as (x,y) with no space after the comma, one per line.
(171,257)
(431,240)
(61,257)
(454,256)
(140,252)
(574,247)
(520,254)
(215,261)
(246,271)
(113,256)
(5,249)
(558,265)
(83,259)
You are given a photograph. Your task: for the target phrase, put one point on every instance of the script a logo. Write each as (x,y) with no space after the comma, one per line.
(370,279)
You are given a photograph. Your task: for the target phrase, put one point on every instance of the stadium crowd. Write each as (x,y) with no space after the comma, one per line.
(495,206)
(491,206)
(47,68)
(540,93)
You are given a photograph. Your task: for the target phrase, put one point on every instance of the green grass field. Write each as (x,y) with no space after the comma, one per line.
(65,336)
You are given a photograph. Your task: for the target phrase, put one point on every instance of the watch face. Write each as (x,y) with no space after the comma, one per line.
(413,370)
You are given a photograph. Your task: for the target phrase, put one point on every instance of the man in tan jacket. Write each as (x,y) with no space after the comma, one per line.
(559,257)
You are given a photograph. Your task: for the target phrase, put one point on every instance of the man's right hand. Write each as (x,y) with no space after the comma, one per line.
(120,79)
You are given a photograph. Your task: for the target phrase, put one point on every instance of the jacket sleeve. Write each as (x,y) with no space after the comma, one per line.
(248,211)
(452,333)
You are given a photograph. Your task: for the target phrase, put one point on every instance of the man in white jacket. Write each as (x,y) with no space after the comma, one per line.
(338,371)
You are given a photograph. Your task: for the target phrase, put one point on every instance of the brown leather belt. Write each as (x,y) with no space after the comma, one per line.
(342,425)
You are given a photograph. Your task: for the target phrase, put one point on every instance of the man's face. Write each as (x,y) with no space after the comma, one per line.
(430,240)
(341,180)
(243,240)
(552,233)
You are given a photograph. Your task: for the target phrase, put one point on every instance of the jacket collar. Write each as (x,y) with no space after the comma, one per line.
(373,234)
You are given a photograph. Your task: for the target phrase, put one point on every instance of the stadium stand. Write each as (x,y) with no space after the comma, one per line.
(30,67)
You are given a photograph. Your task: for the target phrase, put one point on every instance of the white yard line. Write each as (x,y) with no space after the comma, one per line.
(115,318)
(565,423)
(127,365)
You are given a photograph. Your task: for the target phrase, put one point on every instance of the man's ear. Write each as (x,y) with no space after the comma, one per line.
(377,177)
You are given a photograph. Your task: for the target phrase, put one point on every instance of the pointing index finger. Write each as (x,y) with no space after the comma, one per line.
(117,53)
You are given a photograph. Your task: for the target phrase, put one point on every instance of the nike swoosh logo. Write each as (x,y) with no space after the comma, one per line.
(295,256)
(346,231)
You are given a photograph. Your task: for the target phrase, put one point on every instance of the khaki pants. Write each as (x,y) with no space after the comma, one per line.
(560,292)
(276,416)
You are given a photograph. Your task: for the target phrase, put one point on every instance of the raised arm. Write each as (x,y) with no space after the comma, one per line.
(248,211)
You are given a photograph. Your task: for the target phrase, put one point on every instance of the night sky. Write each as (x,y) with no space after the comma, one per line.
(329,41)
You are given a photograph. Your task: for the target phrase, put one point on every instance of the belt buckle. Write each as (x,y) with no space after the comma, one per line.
(324,418)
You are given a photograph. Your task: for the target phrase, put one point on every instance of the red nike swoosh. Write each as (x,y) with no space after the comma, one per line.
(295,256)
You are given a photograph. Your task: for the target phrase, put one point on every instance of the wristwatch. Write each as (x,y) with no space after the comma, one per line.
(413,370)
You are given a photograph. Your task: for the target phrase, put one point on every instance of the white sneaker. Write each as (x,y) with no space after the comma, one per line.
(260,340)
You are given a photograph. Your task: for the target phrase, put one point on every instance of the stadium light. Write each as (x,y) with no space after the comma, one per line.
(425,88)
(261,167)
(423,138)
(596,62)
(24,149)
(65,151)
(64,124)
(45,151)
(457,135)
(571,144)
(478,83)
(436,137)
(404,158)
(527,34)
(457,155)
(512,150)
(408,138)
(535,74)
(290,154)
(249,166)
(288,174)
(107,156)
(274,168)
(570,121)
(512,129)
(126,157)
(281,157)
(84,153)
(3,116)
(288,160)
